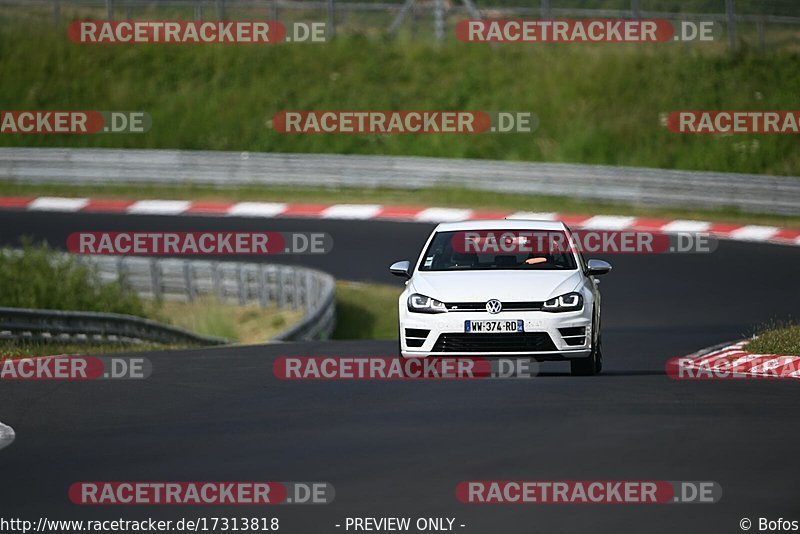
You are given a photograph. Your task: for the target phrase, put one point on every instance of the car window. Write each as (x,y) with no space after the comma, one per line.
(442,255)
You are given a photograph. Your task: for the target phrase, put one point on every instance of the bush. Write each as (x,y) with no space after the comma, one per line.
(38,278)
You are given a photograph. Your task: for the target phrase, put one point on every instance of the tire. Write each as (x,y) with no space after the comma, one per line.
(591,365)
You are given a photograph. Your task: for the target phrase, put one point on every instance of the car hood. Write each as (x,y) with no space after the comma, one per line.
(506,286)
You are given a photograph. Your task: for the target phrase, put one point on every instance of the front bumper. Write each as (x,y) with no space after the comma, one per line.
(546,336)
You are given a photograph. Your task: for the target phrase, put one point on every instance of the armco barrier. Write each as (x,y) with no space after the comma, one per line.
(658,187)
(286,287)
(56,326)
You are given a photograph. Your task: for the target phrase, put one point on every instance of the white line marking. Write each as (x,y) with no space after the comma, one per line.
(443,215)
(717,357)
(159,207)
(686,226)
(58,204)
(352,211)
(533,215)
(754,233)
(608,222)
(372,211)
(257,209)
(7,435)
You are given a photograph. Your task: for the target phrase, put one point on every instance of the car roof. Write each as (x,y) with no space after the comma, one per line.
(501,224)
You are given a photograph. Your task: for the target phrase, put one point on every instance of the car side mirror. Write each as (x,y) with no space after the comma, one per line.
(401,268)
(597,267)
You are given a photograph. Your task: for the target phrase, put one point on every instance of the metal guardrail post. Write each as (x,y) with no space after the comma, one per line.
(731,18)
(188,280)
(281,293)
(217,282)
(241,285)
(635,10)
(307,292)
(545,10)
(110,9)
(309,289)
(156,279)
(331,19)
(122,275)
(295,290)
(263,288)
(439,19)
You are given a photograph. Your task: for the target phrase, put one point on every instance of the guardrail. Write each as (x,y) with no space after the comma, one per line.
(286,287)
(56,326)
(658,187)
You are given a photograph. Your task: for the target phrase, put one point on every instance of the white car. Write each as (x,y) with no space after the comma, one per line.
(470,295)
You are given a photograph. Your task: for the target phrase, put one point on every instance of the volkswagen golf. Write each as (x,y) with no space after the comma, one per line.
(503,288)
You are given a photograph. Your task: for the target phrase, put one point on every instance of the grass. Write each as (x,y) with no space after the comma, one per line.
(442,197)
(366,311)
(598,104)
(27,350)
(784,341)
(242,324)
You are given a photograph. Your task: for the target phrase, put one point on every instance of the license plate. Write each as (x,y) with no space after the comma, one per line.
(492,327)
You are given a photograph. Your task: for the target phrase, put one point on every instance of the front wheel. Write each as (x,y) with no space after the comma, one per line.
(593,364)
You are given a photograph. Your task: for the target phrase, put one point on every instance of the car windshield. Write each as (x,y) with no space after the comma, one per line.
(447,252)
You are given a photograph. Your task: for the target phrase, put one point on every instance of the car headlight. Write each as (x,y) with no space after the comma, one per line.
(563,303)
(421,304)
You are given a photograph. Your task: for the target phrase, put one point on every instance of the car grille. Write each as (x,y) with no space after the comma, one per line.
(481,306)
(515,342)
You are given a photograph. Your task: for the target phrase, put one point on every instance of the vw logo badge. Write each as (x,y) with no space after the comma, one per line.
(494,306)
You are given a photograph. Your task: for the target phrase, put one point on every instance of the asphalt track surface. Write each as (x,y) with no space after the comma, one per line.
(400,448)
